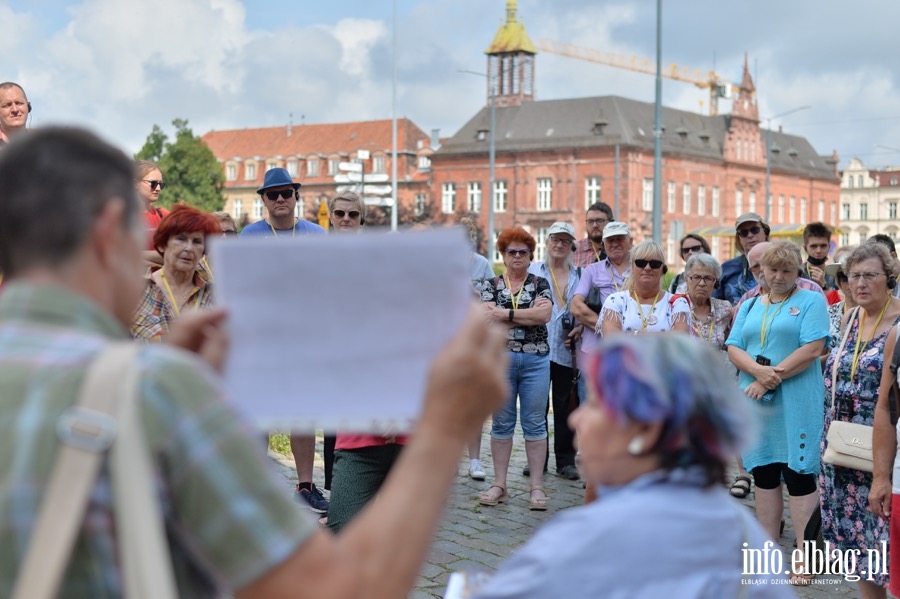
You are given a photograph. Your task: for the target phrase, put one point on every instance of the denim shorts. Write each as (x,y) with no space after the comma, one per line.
(529,381)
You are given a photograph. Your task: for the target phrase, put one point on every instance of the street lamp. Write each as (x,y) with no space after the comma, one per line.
(490,235)
(769,157)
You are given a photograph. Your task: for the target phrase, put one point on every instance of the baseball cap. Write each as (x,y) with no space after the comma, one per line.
(748,217)
(560,227)
(615,228)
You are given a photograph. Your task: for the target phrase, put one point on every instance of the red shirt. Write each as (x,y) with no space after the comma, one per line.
(352,441)
(153,216)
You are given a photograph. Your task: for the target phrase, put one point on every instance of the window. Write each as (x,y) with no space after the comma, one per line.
(238,209)
(540,238)
(863,211)
(845,211)
(448,198)
(230,172)
(792,210)
(893,181)
(474,196)
(715,201)
(647,195)
(300,208)
(803,213)
(845,238)
(862,237)
(497,256)
(822,211)
(670,197)
(833,212)
(257,208)
(334,165)
(752,202)
(250,171)
(544,193)
(892,210)
(292,168)
(686,198)
(424,163)
(670,250)
(781,208)
(850,181)
(701,200)
(859,183)
(312,167)
(500,196)
(419,205)
(739,202)
(378,164)
(715,247)
(270,165)
(591,191)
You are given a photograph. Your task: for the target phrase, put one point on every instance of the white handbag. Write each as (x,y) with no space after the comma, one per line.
(106,417)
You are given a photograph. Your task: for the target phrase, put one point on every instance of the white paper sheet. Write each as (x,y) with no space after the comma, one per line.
(338,331)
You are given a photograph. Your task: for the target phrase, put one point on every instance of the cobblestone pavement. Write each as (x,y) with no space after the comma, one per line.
(474,537)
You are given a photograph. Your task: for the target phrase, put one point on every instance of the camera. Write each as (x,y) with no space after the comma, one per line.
(763,361)
(568,322)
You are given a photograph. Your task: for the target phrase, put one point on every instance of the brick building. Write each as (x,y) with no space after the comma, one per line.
(553,158)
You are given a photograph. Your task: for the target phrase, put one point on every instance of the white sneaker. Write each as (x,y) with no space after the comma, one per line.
(476,470)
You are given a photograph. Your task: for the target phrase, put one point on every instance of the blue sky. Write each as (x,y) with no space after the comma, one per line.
(120,66)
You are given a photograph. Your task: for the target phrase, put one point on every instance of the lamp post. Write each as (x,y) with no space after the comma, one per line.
(657,133)
(769,157)
(491,151)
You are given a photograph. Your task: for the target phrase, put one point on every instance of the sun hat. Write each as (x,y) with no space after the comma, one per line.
(277,177)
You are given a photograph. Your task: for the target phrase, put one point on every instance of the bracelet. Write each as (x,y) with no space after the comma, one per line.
(510,314)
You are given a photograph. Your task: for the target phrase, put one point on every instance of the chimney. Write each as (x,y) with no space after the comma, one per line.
(435,139)
(290,128)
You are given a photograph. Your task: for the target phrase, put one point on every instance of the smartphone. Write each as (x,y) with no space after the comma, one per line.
(763,361)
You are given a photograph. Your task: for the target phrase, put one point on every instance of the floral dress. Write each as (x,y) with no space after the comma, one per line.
(846,521)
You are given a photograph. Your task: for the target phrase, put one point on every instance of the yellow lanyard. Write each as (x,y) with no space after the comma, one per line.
(645,320)
(560,296)
(710,321)
(765,327)
(515,298)
(859,335)
(593,247)
(172,300)
(612,275)
(275,233)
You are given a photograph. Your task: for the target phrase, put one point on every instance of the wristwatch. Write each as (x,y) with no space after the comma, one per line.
(510,314)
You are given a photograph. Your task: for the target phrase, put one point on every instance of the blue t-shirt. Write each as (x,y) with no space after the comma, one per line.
(261,228)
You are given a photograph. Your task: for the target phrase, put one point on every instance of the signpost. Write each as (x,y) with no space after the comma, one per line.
(354,178)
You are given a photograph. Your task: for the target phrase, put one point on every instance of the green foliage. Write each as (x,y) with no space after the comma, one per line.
(190,169)
(280,443)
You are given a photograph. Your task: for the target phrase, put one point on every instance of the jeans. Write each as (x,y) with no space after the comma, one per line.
(529,381)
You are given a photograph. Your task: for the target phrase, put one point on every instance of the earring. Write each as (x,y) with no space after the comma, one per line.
(636,446)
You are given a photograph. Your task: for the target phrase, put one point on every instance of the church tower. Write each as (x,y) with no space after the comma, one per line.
(511,62)
(743,142)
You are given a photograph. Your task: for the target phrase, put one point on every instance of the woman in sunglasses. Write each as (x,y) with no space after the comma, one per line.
(643,306)
(522,303)
(347,212)
(149,183)
(690,244)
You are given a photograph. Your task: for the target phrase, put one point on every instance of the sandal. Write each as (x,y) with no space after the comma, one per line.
(740,488)
(489,499)
(538,504)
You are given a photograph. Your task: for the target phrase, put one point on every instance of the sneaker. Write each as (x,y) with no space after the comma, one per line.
(570,472)
(312,498)
(476,470)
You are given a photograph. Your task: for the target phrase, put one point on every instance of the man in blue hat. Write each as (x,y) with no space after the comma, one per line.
(279,194)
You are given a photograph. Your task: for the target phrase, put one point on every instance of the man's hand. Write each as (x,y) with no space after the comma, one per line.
(468,379)
(880,497)
(816,274)
(201,332)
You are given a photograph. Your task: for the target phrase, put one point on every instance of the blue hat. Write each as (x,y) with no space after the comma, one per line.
(277,177)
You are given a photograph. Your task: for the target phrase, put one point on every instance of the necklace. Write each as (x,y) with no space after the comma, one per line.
(646,320)
(862,325)
(275,231)
(175,304)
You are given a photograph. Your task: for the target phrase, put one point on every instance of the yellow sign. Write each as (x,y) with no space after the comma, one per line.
(323,214)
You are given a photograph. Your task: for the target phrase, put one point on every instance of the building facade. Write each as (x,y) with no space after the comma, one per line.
(869,200)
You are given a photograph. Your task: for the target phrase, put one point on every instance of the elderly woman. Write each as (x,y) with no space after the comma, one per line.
(710,316)
(690,245)
(523,303)
(775,344)
(643,307)
(837,311)
(347,212)
(181,241)
(655,434)
(853,375)
(226,223)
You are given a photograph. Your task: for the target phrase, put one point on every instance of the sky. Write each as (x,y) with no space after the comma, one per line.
(121,66)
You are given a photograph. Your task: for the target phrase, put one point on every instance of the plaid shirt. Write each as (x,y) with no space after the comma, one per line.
(228,521)
(586,253)
(155,312)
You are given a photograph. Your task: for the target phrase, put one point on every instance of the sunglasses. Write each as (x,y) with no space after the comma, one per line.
(229,233)
(284,193)
(750,231)
(154,184)
(515,253)
(698,249)
(353,214)
(654,264)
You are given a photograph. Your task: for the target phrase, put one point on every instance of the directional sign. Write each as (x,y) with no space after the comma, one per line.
(343,188)
(350,178)
(323,215)
(379,201)
(353,167)
(377,190)
(377,178)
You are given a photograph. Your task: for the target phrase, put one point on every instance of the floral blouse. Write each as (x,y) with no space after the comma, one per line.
(530,339)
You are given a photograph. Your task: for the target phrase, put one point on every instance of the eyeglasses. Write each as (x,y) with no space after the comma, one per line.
(514,253)
(654,264)
(692,249)
(704,278)
(229,233)
(154,184)
(284,193)
(754,230)
(755,267)
(868,277)
(353,214)
(596,222)
(558,240)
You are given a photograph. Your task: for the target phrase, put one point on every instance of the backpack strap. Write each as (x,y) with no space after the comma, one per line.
(894,393)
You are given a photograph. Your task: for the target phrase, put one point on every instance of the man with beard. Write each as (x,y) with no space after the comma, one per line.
(816,242)
(749,230)
(590,249)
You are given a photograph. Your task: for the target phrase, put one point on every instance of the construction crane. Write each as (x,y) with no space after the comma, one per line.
(717,86)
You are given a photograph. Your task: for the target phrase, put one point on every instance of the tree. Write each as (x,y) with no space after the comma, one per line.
(190,169)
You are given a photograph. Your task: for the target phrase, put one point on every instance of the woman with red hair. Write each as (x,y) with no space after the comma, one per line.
(178,284)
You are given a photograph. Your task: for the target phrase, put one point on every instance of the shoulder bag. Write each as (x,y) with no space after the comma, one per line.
(104,422)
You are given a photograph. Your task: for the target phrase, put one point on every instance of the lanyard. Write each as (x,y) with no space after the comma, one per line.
(561,296)
(645,320)
(515,298)
(764,329)
(593,247)
(710,321)
(613,273)
(275,232)
(859,335)
(172,300)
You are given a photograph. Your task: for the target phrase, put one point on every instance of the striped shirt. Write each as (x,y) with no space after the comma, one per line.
(228,521)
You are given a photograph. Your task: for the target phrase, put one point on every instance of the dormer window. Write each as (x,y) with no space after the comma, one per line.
(481,135)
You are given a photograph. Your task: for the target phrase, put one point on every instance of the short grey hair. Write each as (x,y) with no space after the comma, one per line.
(872,249)
(703,261)
(349,196)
